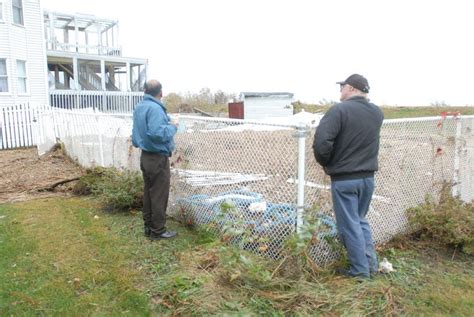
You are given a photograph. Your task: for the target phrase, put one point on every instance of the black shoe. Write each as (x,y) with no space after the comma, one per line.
(147,231)
(344,272)
(164,235)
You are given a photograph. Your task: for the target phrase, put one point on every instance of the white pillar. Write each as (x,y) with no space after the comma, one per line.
(128,86)
(76,82)
(76,35)
(52,38)
(87,41)
(102,72)
(66,35)
(75,69)
(113,36)
(146,73)
(117,38)
(104,87)
(99,39)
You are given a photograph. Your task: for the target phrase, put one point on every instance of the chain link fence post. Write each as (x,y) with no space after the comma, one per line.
(457,153)
(301,135)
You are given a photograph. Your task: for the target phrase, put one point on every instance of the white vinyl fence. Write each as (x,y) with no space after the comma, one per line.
(18,122)
(267,173)
(19,125)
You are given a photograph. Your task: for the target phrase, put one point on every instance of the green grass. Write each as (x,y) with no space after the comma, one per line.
(57,258)
(390,112)
(398,112)
(412,112)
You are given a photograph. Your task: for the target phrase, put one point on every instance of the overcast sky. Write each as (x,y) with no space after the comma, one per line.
(412,52)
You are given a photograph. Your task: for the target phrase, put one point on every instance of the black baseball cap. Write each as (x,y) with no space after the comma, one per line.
(357,81)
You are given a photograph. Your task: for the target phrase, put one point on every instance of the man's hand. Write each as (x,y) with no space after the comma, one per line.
(174,120)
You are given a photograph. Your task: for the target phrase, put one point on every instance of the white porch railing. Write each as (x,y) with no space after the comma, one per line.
(83,48)
(103,101)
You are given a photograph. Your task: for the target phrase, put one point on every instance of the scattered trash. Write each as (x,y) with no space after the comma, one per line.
(258,206)
(385,266)
(96,217)
(262,216)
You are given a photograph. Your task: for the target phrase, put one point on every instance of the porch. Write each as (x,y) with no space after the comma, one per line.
(83,54)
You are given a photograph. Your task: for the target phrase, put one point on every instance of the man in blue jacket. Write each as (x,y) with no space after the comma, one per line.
(346,145)
(153,132)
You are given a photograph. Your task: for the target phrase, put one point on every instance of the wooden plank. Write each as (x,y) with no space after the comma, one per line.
(3,142)
(15,127)
(19,119)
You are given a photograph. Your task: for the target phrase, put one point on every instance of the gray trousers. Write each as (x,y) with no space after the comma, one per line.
(156,177)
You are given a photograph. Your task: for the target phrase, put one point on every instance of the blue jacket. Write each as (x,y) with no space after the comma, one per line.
(152,130)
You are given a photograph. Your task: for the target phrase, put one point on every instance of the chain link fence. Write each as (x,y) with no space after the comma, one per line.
(242,177)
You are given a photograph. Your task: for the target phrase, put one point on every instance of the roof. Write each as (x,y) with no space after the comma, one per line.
(64,20)
(267,94)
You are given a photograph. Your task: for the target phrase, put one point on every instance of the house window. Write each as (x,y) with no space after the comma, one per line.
(17,7)
(21,71)
(3,75)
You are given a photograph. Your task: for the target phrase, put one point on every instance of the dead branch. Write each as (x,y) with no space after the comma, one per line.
(53,186)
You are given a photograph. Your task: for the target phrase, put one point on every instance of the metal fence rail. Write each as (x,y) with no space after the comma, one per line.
(247,174)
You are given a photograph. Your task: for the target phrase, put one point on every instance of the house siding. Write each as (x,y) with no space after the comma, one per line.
(263,107)
(6,98)
(24,43)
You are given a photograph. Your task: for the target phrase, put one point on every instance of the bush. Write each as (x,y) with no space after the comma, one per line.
(449,222)
(117,190)
(89,181)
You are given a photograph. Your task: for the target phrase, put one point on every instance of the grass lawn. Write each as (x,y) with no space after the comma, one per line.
(64,256)
(398,112)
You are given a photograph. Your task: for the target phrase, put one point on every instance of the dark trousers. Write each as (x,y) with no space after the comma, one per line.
(351,199)
(156,176)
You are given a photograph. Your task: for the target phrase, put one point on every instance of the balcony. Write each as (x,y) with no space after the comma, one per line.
(81,33)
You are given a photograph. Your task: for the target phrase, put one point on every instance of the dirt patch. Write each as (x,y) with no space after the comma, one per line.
(25,175)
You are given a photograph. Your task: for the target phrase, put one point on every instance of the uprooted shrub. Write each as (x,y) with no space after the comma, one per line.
(117,190)
(450,221)
(239,263)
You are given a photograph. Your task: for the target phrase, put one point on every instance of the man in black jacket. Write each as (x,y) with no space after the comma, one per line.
(346,144)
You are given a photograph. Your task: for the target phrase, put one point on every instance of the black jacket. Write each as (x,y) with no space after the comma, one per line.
(346,142)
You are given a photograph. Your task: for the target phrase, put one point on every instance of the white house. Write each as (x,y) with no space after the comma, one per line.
(84,53)
(259,105)
(65,60)
(22,53)
(86,67)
